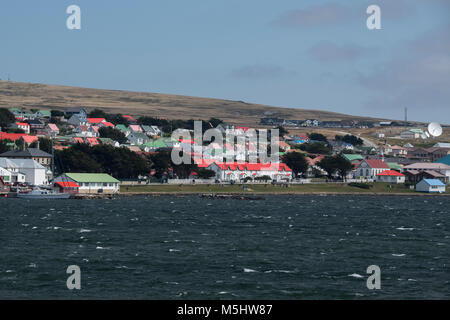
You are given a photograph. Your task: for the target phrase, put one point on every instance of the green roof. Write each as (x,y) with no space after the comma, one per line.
(394,166)
(156,144)
(92,177)
(417,131)
(122,127)
(45,113)
(353,157)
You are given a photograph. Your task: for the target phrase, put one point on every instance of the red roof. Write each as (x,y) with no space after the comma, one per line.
(30,139)
(92,141)
(128,117)
(78,140)
(108,124)
(391,173)
(67,184)
(378,164)
(95,120)
(11,136)
(22,124)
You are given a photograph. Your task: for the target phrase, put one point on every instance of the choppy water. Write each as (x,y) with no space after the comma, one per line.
(284,247)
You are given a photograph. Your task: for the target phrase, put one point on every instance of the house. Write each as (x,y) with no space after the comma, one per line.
(39,156)
(311,123)
(76,111)
(379,135)
(353,158)
(95,121)
(36,124)
(135,128)
(105,124)
(109,141)
(238,172)
(152,131)
(92,141)
(430,185)
(67,187)
(391,176)
(78,120)
(271,121)
(52,129)
(370,168)
(411,134)
(138,138)
(123,129)
(442,145)
(86,131)
(129,118)
(398,151)
(92,182)
(35,173)
(43,114)
(441,168)
(9,172)
(23,126)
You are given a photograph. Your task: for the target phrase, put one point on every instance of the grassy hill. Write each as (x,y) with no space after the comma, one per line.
(42,96)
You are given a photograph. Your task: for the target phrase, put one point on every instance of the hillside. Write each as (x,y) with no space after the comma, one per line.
(41,96)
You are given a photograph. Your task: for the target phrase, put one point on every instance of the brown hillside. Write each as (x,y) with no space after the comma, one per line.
(28,95)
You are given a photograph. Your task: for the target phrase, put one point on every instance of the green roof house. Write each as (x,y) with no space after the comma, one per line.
(353,158)
(92,183)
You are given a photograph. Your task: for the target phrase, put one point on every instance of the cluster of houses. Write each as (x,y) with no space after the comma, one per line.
(274,121)
(385,163)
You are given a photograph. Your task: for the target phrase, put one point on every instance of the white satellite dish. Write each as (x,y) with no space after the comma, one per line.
(435,129)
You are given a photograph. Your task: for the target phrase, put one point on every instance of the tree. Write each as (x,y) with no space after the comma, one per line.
(112,133)
(97,113)
(205,173)
(45,145)
(56,113)
(121,163)
(4,146)
(353,140)
(317,137)
(343,166)
(283,131)
(336,164)
(6,117)
(296,161)
(316,147)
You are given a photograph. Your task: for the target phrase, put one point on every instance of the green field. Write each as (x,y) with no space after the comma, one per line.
(331,188)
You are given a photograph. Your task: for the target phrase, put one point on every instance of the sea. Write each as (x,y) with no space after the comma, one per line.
(189,247)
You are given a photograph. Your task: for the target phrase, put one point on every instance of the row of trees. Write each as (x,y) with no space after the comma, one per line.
(330,164)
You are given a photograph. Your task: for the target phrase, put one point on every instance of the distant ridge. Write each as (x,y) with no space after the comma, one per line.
(43,96)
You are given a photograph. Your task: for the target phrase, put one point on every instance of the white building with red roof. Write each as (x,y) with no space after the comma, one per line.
(370,168)
(391,176)
(237,172)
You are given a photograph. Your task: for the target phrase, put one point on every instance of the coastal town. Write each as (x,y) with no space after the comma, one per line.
(79,151)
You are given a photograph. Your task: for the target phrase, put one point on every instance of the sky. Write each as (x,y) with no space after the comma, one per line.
(313,54)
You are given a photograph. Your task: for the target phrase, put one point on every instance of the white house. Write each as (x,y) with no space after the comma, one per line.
(238,172)
(25,170)
(369,169)
(9,171)
(411,134)
(92,182)
(391,176)
(430,185)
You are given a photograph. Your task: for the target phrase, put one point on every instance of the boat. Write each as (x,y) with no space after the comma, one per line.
(38,193)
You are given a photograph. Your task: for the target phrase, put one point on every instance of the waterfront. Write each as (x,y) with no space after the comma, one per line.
(283,247)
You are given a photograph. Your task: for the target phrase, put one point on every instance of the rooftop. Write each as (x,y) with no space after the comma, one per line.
(92,177)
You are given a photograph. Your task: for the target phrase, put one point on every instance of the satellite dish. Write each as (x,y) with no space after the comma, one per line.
(435,129)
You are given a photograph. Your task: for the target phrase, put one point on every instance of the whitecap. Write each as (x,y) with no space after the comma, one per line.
(101,248)
(355,275)
(174,250)
(249,270)
(84,230)
(405,229)
(399,254)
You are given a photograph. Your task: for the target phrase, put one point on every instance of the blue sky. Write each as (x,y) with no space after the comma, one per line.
(306,54)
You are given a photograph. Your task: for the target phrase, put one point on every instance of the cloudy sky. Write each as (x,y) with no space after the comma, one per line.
(308,54)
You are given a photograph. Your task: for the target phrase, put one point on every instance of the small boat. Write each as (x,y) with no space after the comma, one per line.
(38,193)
